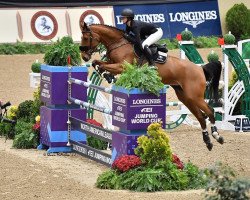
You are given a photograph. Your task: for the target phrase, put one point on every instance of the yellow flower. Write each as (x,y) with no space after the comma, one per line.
(38,118)
(12,112)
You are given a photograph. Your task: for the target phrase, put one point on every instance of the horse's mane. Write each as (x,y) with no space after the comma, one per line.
(108,26)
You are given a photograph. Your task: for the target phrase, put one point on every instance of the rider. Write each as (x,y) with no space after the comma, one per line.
(144,34)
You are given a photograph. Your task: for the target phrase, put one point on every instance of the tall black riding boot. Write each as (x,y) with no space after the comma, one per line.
(149,55)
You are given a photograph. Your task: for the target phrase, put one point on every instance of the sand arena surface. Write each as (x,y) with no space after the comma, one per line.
(29,174)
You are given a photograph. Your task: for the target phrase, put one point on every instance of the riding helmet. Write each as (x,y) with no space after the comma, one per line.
(128,13)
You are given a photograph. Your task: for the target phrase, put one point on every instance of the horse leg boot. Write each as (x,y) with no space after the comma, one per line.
(149,56)
(210,113)
(216,135)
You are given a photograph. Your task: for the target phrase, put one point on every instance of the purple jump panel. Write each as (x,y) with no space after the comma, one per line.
(136,110)
(54,84)
(124,144)
(54,127)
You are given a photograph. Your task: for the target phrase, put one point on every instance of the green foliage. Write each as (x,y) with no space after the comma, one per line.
(25,140)
(22,48)
(146,180)
(96,143)
(197,178)
(36,103)
(212,57)
(233,79)
(25,110)
(237,21)
(186,35)
(7,130)
(155,147)
(158,172)
(22,126)
(57,54)
(142,77)
(109,180)
(36,67)
(205,42)
(224,185)
(170,43)
(229,38)
(161,177)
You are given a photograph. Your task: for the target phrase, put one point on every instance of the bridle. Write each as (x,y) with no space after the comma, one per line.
(88,49)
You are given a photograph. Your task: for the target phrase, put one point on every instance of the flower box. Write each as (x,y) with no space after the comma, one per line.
(35,79)
(54,84)
(134,110)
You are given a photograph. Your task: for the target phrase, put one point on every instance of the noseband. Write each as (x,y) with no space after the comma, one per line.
(88,49)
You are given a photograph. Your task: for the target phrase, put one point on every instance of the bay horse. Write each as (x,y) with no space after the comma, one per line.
(187,79)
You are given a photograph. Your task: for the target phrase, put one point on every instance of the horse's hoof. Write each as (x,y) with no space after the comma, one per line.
(221,140)
(209,146)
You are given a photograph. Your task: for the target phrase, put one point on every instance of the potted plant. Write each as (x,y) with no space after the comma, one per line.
(35,74)
(138,87)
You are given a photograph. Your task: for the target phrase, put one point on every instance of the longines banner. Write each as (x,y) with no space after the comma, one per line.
(201,18)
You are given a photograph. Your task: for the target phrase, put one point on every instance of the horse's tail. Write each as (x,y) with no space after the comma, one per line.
(212,73)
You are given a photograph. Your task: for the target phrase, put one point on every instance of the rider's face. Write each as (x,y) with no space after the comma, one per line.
(124,20)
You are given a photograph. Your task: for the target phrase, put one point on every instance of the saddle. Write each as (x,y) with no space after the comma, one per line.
(159,52)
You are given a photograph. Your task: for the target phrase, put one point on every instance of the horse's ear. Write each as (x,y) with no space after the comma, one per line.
(83,26)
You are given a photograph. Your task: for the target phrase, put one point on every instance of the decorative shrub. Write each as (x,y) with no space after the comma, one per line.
(95,142)
(229,38)
(25,110)
(237,21)
(57,54)
(159,170)
(155,146)
(186,35)
(176,160)
(212,57)
(126,162)
(36,67)
(224,185)
(142,77)
(26,134)
(12,112)
(7,130)
(27,128)
(25,140)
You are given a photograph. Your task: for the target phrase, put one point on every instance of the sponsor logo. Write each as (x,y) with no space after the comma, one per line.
(44,25)
(150,18)
(193,18)
(91,17)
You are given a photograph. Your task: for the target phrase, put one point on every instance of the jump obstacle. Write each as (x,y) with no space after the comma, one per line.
(66,103)
(224,115)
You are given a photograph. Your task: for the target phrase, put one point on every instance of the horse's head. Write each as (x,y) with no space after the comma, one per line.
(89,42)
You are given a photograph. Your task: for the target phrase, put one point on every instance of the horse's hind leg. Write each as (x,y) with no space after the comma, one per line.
(210,113)
(197,113)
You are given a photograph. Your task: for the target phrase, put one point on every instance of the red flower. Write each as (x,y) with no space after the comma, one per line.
(177,161)
(126,162)
(36,126)
(94,122)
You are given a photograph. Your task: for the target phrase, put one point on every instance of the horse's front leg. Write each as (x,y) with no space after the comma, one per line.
(114,68)
(97,63)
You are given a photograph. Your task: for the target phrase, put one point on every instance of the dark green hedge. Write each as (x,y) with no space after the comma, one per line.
(29,48)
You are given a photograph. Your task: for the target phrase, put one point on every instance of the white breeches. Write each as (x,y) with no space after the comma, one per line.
(153,38)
